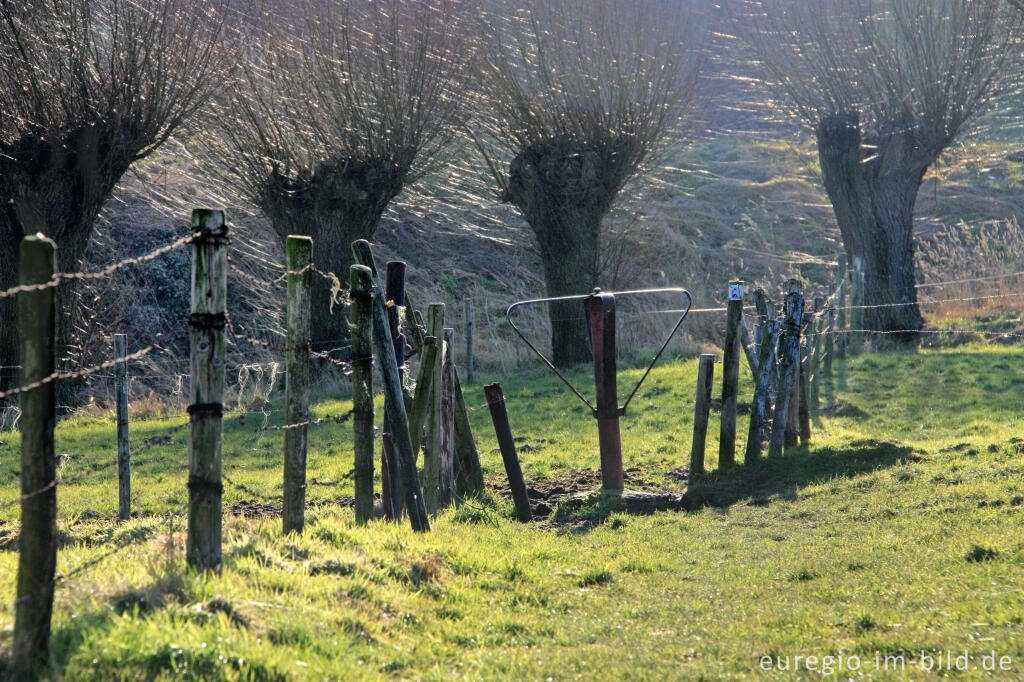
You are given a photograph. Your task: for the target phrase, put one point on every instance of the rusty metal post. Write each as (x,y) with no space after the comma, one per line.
(601,314)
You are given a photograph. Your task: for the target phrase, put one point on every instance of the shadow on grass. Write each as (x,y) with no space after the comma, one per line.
(760,483)
(781,477)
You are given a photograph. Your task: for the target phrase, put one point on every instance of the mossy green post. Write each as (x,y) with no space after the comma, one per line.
(209,306)
(469,476)
(432,442)
(362,396)
(296,409)
(404,453)
(37,556)
(424,391)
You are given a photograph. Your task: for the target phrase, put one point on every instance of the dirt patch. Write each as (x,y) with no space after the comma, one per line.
(547,492)
(254,509)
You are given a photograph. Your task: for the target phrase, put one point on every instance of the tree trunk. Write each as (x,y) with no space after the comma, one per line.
(873,198)
(564,189)
(57,188)
(343,201)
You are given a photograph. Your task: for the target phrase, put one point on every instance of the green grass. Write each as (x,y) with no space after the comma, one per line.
(898,530)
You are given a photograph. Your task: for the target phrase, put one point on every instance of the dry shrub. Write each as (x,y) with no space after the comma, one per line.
(988,255)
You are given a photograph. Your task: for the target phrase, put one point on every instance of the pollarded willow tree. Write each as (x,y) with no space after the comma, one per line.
(886,86)
(580,94)
(87,88)
(339,106)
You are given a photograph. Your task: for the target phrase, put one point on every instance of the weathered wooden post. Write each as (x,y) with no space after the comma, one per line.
(446,489)
(432,443)
(124,467)
(209,305)
(805,386)
(297,377)
(469,341)
(503,432)
(418,415)
(469,476)
(391,489)
(730,376)
(758,429)
(600,309)
(362,398)
(405,456)
(830,351)
(843,288)
(701,411)
(37,556)
(790,367)
(857,299)
(818,330)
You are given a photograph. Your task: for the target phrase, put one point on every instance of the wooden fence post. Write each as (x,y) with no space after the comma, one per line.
(818,330)
(124,467)
(701,411)
(391,487)
(843,288)
(362,398)
(469,476)
(503,432)
(404,454)
(470,367)
(209,306)
(730,376)
(805,376)
(432,441)
(790,367)
(446,493)
(758,429)
(37,556)
(297,376)
(857,299)
(830,351)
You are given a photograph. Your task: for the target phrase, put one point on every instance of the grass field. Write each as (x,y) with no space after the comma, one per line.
(897,531)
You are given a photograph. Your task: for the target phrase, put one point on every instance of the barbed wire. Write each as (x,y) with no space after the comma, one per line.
(77,374)
(98,274)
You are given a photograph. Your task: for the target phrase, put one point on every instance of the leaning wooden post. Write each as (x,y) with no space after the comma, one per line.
(600,309)
(790,366)
(758,429)
(209,305)
(701,411)
(730,376)
(469,341)
(124,467)
(469,476)
(297,376)
(404,454)
(446,489)
(503,432)
(37,556)
(432,443)
(362,397)
(857,337)
(391,489)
